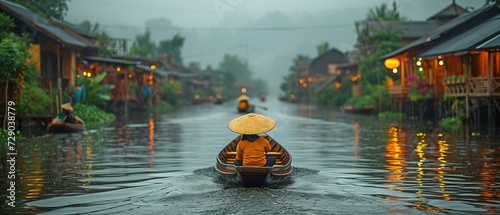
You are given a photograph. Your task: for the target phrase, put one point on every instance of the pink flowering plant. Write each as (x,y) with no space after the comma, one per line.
(418,89)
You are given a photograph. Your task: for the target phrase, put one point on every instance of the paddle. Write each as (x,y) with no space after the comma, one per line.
(264,108)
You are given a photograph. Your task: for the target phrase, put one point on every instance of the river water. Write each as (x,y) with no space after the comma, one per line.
(344,164)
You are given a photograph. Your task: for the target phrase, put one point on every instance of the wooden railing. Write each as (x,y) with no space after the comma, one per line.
(478,87)
(397,92)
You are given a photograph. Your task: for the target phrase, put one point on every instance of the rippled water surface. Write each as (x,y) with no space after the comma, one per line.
(344,164)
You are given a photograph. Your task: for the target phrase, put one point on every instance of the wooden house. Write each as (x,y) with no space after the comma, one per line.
(137,81)
(54,51)
(459,59)
(327,68)
(301,88)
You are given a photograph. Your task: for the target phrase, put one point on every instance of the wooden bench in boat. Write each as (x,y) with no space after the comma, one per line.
(230,157)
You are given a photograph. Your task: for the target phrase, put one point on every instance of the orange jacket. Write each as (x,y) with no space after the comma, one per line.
(242,105)
(253,153)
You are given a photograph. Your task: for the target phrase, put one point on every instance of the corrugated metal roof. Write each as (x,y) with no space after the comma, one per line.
(438,32)
(110,60)
(39,23)
(167,73)
(467,40)
(74,28)
(452,10)
(490,44)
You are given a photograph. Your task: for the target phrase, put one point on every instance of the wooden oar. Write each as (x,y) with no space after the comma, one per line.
(264,108)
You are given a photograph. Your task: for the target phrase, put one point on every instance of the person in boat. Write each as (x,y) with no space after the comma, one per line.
(218,99)
(252,148)
(244,104)
(66,115)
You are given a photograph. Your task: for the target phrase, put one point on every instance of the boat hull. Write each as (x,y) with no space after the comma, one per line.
(79,126)
(250,109)
(253,176)
(354,110)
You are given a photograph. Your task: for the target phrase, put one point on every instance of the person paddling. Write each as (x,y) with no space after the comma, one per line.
(252,148)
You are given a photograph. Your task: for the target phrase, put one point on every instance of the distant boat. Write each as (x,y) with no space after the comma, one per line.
(244,105)
(356,110)
(65,127)
(250,176)
(262,98)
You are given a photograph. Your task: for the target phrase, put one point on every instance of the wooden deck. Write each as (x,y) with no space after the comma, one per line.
(478,87)
(474,87)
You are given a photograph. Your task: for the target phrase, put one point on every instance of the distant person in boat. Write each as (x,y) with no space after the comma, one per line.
(66,115)
(252,148)
(244,104)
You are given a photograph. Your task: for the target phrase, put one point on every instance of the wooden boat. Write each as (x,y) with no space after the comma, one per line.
(78,126)
(251,176)
(356,110)
(249,109)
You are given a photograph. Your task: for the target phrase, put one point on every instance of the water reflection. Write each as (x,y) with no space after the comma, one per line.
(152,141)
(395,158)
(133,164)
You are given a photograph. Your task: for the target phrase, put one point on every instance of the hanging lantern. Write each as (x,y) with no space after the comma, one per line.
(391,63)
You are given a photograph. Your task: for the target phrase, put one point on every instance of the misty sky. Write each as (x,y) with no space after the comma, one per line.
(268,33)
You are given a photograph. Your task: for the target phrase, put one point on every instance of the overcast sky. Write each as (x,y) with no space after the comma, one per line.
(291,27)
(204,13)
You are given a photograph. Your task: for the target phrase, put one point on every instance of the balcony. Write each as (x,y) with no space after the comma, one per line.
(397,92)
(478,87)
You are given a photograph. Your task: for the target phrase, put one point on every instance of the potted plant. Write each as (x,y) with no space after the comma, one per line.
(449,79)
(461,79)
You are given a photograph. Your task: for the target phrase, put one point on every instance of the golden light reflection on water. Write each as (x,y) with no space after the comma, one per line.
(357,131)
(489,176)
(33,182)
(395,158)
(443,150)
(151,141)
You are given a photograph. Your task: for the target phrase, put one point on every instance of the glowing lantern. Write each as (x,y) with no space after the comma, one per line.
(391,63)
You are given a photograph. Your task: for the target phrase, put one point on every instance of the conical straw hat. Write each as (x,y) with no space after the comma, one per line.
(243,97)
(67,106)
(251,123)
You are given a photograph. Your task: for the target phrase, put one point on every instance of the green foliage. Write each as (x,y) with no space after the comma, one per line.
(6,25)
(92,114)
(418,88)
(34,101)
(235,66)
(382,13)
(322,48)
(97,93)
(172,92)
(46,8)
(4,135)
(451,123)
(162,107)
(332,96)
(105,44)
(289,81)
(13,53)
(172,47)
(361,101)
(143,46)
(383,42)
(391,116)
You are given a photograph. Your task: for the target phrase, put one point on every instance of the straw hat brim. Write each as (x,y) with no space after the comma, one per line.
(67,106)
(251,123)
(243,98)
